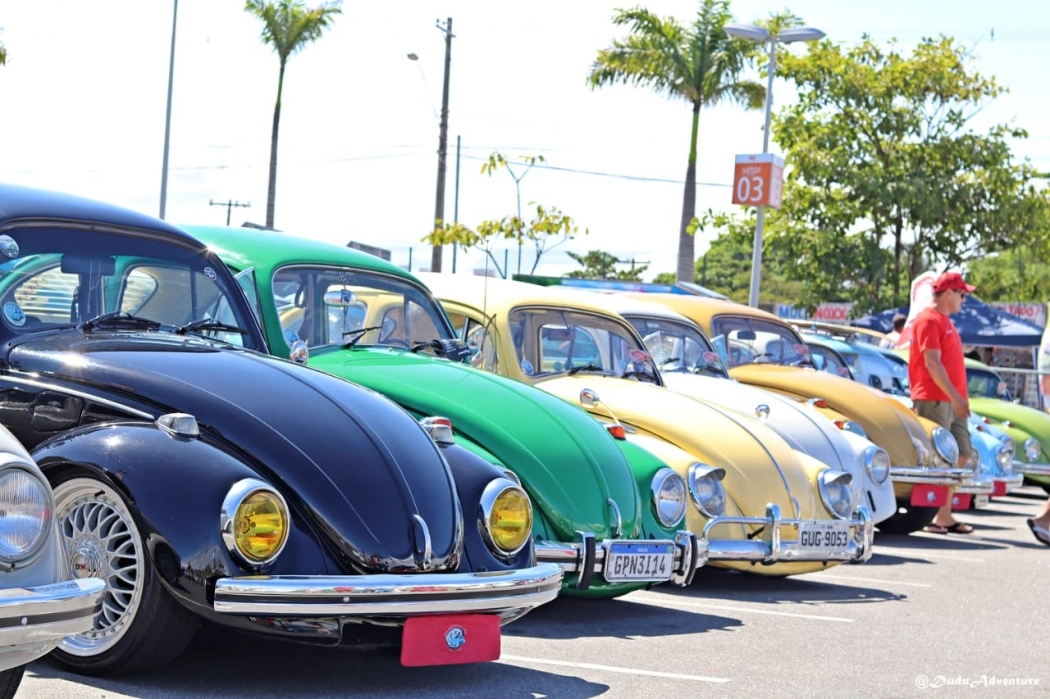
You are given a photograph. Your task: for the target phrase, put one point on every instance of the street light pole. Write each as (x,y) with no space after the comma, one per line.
(439,204)
(167,118)
(762,35)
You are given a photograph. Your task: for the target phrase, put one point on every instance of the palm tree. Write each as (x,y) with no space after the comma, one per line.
(288,26)
(700,64)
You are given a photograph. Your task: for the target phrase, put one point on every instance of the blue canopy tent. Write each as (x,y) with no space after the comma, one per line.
(977,323)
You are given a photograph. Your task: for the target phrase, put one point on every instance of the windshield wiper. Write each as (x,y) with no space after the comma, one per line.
(709,370)
(196,326)
(640,375)
(120,320)
(585,367)
(456,350)
(357,335)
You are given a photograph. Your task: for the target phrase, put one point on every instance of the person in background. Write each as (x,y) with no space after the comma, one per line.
(1040,524)
(891,338)
(937,373)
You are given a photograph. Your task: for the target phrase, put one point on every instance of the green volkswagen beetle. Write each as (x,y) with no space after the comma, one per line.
(609,512)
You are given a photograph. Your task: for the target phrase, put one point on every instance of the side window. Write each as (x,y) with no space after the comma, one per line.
(482,346)
(47,297)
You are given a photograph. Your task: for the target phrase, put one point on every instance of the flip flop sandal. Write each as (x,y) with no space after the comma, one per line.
(1041,535)
(960,528)
(935,529)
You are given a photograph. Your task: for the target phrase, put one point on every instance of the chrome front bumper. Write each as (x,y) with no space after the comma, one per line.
(48,613)
(770,547)
(931,476)
(587,556)
(973,486)
(1032,469)
(507,593)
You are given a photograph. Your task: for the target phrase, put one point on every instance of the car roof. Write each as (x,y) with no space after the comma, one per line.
(827,341)
(704,306)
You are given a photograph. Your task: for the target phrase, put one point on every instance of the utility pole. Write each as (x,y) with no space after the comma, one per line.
(167,118)
(229,206)
(455,205)
(439,204)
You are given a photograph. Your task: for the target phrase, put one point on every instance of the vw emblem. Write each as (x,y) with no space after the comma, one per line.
(930,497)
(455,638)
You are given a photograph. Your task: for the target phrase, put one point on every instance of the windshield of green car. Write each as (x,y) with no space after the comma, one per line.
(986,384)
(331,305)
(114,280)
(553,341)
(678,347)
(747,340)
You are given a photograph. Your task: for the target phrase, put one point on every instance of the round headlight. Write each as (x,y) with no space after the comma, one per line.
(669,498)
(707,491)
(922,452)
(945,445)
(877,461)
(974,462)
(835,492)
(1032,449)
(1004,458)
(254,521)
(506,517)
(25,514)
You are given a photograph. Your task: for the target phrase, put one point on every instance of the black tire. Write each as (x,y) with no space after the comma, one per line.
(907,520)
(141,627)
(9,681)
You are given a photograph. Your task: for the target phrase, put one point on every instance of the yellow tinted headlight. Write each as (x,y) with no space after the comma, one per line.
(507,513)
(254,521)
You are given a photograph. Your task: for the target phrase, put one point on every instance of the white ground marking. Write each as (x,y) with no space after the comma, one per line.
(507,659)
(850,578)
(672,602)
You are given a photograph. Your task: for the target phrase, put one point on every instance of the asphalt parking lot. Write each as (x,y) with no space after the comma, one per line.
(929,615)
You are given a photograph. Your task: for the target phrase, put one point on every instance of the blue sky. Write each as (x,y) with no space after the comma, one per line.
(84,96)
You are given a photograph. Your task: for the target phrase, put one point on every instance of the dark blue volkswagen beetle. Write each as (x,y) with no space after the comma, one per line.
(201,478)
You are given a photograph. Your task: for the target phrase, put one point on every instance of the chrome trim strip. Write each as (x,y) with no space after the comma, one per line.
(1032,469)
(773,548)
(39,383)
(49,612)
(386,595)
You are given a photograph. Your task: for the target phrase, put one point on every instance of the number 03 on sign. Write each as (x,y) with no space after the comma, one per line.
(758,180)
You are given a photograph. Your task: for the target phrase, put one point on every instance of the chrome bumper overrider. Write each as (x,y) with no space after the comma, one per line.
(501,592)
(931,476)
(587,556)
(37,615)
(1032,469)
(769,546)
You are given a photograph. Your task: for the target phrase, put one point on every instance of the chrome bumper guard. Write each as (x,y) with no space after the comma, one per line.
(1032,469)
(49,613)
(931,476)
(504,592)
(769,546)
(1015,480)
(587,556)
(972,486)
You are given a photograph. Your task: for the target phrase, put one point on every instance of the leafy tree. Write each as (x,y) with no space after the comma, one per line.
(1013,275)
(288,26)
(598,264)
(548,229)
(3,54)
(496,161)
(698,63)
(886,178)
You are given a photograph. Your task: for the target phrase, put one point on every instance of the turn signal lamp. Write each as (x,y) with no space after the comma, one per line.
(439,429)
(617,431)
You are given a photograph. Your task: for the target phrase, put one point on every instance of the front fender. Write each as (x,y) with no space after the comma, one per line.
(174,488)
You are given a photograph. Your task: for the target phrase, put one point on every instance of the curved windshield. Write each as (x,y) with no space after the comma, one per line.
(331,305)
(678,347)
(113,280)
(827,359)
(981,383)
(747,340)
(550,342)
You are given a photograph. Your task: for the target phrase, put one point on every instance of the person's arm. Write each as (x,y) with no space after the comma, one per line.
(960,404)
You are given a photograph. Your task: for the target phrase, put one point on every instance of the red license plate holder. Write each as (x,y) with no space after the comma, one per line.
(961,501)
(929,495)
(450,639)
(999,488)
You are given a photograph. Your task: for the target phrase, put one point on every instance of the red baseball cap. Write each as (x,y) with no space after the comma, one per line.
(951,280)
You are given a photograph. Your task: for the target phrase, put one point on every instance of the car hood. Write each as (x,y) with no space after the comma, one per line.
(885,425)
(802,428)
(567,462)
(1034,422)
(760,466)
(357,465)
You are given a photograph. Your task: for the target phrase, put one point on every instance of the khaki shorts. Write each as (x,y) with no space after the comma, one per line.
(941,412)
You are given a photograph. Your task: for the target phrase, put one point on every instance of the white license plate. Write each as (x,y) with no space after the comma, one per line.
(823,535)
(639,561)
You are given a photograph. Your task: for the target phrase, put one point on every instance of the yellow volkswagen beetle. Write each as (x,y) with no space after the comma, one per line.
(764,350)
(762,505)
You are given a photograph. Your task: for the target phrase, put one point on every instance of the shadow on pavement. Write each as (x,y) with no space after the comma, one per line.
(727,585)
(937,542)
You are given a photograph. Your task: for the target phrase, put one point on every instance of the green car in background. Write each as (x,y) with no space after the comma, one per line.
(609,512)
(1029,428)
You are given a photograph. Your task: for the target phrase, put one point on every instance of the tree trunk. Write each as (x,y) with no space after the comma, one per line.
(686,270)
(271,191)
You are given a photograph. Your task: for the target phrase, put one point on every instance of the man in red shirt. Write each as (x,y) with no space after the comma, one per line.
(937,372)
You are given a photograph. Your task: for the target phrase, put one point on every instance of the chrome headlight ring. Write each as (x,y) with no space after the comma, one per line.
(494,491)
(26,509)
(877,463)
(1032,449)
(237,495)
(945,445)
(835,492)
(706,489)
(1004,458)
(668,497)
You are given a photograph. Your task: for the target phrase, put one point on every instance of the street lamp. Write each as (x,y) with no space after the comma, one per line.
(761,35)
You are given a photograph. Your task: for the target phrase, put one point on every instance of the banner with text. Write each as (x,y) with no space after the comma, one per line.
(826,312)
(1032,311)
